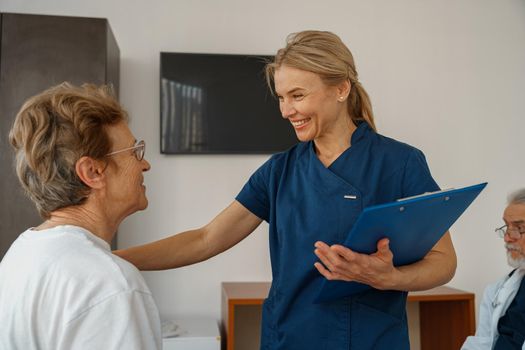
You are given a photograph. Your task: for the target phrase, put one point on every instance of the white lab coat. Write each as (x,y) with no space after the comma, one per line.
(496,300)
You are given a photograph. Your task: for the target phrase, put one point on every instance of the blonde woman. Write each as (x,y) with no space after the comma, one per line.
(311,196)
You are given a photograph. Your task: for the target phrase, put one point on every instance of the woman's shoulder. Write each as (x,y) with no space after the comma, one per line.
(280,163)
(292,154)
(391,145)
(397,155)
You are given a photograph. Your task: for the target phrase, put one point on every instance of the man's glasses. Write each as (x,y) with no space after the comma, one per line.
(514,232)
(139,149)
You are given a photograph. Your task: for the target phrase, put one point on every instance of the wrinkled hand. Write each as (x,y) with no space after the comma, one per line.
(341,263)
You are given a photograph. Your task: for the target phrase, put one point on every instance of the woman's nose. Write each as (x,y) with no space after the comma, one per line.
(287,110)
(146,165)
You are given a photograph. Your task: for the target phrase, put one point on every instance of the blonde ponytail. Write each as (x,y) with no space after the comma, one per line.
(359,106)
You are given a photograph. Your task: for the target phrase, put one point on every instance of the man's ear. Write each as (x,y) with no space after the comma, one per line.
(91,172)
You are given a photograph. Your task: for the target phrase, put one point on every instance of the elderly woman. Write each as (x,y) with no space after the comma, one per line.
(60,285)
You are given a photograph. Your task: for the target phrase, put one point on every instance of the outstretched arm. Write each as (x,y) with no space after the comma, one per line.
(228,228)
(377,270)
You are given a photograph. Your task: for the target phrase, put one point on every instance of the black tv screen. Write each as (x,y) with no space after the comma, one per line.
(219,104)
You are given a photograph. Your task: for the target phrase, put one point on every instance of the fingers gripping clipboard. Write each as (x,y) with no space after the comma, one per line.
(413,225)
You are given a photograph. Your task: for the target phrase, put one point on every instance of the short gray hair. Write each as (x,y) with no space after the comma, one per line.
(517,197)
(52,131)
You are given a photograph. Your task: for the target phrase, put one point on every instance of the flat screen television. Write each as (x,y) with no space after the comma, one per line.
(219,104)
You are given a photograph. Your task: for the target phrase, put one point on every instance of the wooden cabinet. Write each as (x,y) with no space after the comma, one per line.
(446,316)
(37,52)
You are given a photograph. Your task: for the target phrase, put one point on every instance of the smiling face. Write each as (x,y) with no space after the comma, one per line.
(126,192)
(514,217)
(314,109)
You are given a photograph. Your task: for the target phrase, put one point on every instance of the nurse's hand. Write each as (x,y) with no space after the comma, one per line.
(341,263)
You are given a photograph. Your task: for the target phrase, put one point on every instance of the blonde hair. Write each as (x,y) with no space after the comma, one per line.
(326,55)
(52,131)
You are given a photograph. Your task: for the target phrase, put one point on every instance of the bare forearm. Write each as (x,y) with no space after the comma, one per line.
(437,268)
(183,249)
(227,229)
(431,272)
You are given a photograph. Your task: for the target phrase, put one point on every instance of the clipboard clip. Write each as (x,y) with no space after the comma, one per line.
(426,194)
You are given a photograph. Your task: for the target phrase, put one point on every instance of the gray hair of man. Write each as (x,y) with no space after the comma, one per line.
(517,197)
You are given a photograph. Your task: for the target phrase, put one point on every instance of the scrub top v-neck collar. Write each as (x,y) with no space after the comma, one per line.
(333,177)
(357,135)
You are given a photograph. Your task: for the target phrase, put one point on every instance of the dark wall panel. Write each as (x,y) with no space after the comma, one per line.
(37,52)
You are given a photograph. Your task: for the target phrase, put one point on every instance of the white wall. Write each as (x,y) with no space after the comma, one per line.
(446,76)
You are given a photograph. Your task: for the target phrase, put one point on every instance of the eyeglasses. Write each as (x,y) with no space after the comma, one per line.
(512,232)
(139,149)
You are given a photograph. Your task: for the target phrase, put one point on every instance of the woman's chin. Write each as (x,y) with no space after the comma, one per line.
(303,137)
(144,204)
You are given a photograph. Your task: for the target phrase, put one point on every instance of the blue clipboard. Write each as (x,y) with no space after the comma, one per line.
(413,226)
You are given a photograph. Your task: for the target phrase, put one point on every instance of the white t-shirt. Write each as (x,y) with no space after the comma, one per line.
(62,288)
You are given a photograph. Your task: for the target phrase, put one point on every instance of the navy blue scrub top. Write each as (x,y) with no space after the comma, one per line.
(304,202)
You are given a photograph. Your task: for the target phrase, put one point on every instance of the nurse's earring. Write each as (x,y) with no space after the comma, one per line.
(341,98)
